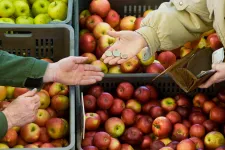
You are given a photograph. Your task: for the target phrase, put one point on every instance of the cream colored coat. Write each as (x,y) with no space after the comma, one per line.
(179,21)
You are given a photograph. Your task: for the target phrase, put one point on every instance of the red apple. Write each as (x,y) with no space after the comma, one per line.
(217,114)
(90,134)
(128,116)
(125,90)
(91,57)
(168,104)
(103,114)
(198,142)
(156,111)
(199,100)
(60,102)
(44,137)
(137,23)
(47,145)
(10,138)
(100,7)
(155,68)
(221,148)
(183,111)
(99,52)
(147,141)
(197,118)
(142,94)
(87,43)
(92,21)
(146,107)
(126,147)
(92,121)
(156,145)
(95,90)
(167,59)
(180,132)
(161,127)
(20,141)
(186,144)
(105,41)
(60,143)
(133,136)
(133,104)
(115,127)
(214,41)
(90,148)
(30,132)
(42,117)
(147,12)
(166,148)
(30,146)
(182,100)
(58,89)
(114,144)
(131,65)
(87,141)
(144,124)
(208,105)
(153,92)
(51,112)
(44,98)
(83,31)
(83,17)
(197,130)
(174,117)
(173,144)
(113,18)
(187,123)
(127,23)
(117,107)
(221,95)
(90,103)
(101,29)
(57,128)
(38,144)
(19,91)
(105,100)
(102,140)
(210,125)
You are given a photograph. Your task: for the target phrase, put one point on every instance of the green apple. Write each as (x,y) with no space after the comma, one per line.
(65,1)
(24,20)
(57,20)
(7,8)
(115,69)
(21,8)
(58,10)
(141,55)
(213,140)
(19,0)
(40,7)
(3,146)
(7,20)
(31,2)
(10,91)
(42,19)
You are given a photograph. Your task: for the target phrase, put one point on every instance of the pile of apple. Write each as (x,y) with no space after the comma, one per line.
(32,11)
(100,18)
(137,118)
(50,129)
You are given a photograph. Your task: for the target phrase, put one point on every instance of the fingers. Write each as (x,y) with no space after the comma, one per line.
(92,73)
(79,60)
(208,83)
(97,78)
(114,61)
(88,82)
(107,59)
(30,93)
(122,61)
(91,68)
(114,34)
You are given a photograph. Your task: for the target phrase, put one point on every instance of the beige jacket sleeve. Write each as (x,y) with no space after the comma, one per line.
(174,23)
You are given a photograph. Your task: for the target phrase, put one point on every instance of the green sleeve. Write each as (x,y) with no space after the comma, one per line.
(16,70)
(3,125)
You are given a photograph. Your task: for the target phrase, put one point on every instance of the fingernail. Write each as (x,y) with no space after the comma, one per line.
(35,89)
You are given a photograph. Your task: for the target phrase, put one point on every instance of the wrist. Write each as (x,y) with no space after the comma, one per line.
(142,40)
(49,75)
(8,118)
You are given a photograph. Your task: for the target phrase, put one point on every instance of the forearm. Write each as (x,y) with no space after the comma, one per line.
(18,71)
(3,125)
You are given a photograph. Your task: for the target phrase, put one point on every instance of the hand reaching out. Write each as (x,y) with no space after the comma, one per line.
(128,43)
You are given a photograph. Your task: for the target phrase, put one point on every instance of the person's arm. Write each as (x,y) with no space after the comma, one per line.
(3,125)
(21,71)
(171,25)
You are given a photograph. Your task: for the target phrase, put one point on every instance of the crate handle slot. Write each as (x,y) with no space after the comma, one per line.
(18,34)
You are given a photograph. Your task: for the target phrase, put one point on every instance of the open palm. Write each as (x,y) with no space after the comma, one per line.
(73,71)
(128,43)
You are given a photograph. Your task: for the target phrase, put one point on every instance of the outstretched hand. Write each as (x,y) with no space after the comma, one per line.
(128,43)
(219,76)
(73,71)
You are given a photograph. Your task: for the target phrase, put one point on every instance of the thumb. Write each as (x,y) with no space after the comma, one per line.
(114,34)
(30,93)
(79,60)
